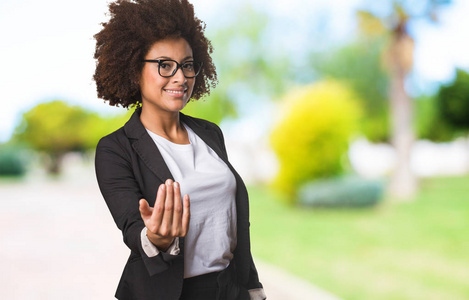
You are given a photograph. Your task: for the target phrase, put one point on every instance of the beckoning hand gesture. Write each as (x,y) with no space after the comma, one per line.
(168,218)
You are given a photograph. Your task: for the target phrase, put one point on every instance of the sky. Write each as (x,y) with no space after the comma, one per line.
(46,47)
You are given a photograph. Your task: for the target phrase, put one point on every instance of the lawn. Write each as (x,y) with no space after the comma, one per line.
(414,250)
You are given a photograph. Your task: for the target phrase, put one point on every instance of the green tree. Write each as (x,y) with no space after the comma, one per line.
(56,128)
(399,60)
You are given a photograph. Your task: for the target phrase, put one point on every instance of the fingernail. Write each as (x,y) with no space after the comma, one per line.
(162,187)
(168,181)
(176,185)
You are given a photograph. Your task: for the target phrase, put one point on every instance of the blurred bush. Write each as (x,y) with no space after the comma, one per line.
(312,138)
(12,161)
(343,192)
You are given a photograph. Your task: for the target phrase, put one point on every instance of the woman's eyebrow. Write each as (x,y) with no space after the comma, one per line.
(166,57)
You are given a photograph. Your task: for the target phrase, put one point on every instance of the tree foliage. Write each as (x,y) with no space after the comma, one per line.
(360,65)
(56,128)
(453,101)
(429,123)
(247,67)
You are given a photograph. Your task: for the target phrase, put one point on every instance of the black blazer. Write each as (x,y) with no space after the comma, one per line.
(129,167)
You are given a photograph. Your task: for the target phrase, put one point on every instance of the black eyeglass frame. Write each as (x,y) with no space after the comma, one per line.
(178,66)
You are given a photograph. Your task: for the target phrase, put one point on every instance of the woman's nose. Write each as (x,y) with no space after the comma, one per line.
(179,76)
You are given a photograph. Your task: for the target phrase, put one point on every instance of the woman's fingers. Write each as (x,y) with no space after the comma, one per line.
(145,209)
(186,215)
(169,217)
(177,210)
(159,206)
(167,222)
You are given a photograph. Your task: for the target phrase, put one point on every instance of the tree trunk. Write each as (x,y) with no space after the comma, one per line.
(403,182)
(54,165)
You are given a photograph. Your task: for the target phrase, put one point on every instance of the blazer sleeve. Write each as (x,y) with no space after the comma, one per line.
(121,191)
(253,281)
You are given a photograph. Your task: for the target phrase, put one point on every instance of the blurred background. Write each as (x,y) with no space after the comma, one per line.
(348,120)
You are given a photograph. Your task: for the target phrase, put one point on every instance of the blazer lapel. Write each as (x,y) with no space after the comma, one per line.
(209,136)
(146,147)
(149,152)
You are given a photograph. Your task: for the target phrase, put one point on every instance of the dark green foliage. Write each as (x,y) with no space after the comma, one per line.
(12,161)
(453,101)
(429,123)
(347,191)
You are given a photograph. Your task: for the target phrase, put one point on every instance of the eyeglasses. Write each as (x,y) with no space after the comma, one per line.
(169,67)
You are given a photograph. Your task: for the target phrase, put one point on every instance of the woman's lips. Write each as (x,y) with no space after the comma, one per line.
(176,92)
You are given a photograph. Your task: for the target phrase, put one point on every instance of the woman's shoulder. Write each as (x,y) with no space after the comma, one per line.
(113,140)
(121,136)
(199,122)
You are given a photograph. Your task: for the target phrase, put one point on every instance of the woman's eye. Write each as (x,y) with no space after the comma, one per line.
(188,66)
(164,65)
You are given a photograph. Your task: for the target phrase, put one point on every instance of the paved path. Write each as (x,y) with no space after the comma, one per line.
(58,241)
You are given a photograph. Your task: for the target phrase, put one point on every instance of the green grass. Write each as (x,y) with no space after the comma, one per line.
(414,250)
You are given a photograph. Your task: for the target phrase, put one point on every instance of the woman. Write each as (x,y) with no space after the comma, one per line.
(153,54)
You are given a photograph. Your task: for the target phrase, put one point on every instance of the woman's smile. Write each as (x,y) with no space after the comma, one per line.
(176,92)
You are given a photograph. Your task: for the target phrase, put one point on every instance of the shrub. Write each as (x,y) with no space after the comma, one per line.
(12,161)
(347,191)
(313,136)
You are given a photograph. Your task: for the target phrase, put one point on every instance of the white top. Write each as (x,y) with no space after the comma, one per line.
(211,187)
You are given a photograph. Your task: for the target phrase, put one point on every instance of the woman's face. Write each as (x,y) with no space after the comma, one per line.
(166,94)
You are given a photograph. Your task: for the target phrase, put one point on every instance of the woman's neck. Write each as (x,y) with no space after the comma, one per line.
(167,125)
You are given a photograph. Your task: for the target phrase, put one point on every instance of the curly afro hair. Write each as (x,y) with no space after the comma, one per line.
(123,42)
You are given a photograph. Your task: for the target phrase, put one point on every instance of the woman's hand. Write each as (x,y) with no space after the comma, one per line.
(168,218)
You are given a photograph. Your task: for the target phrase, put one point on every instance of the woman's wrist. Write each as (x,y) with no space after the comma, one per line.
(162,243)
